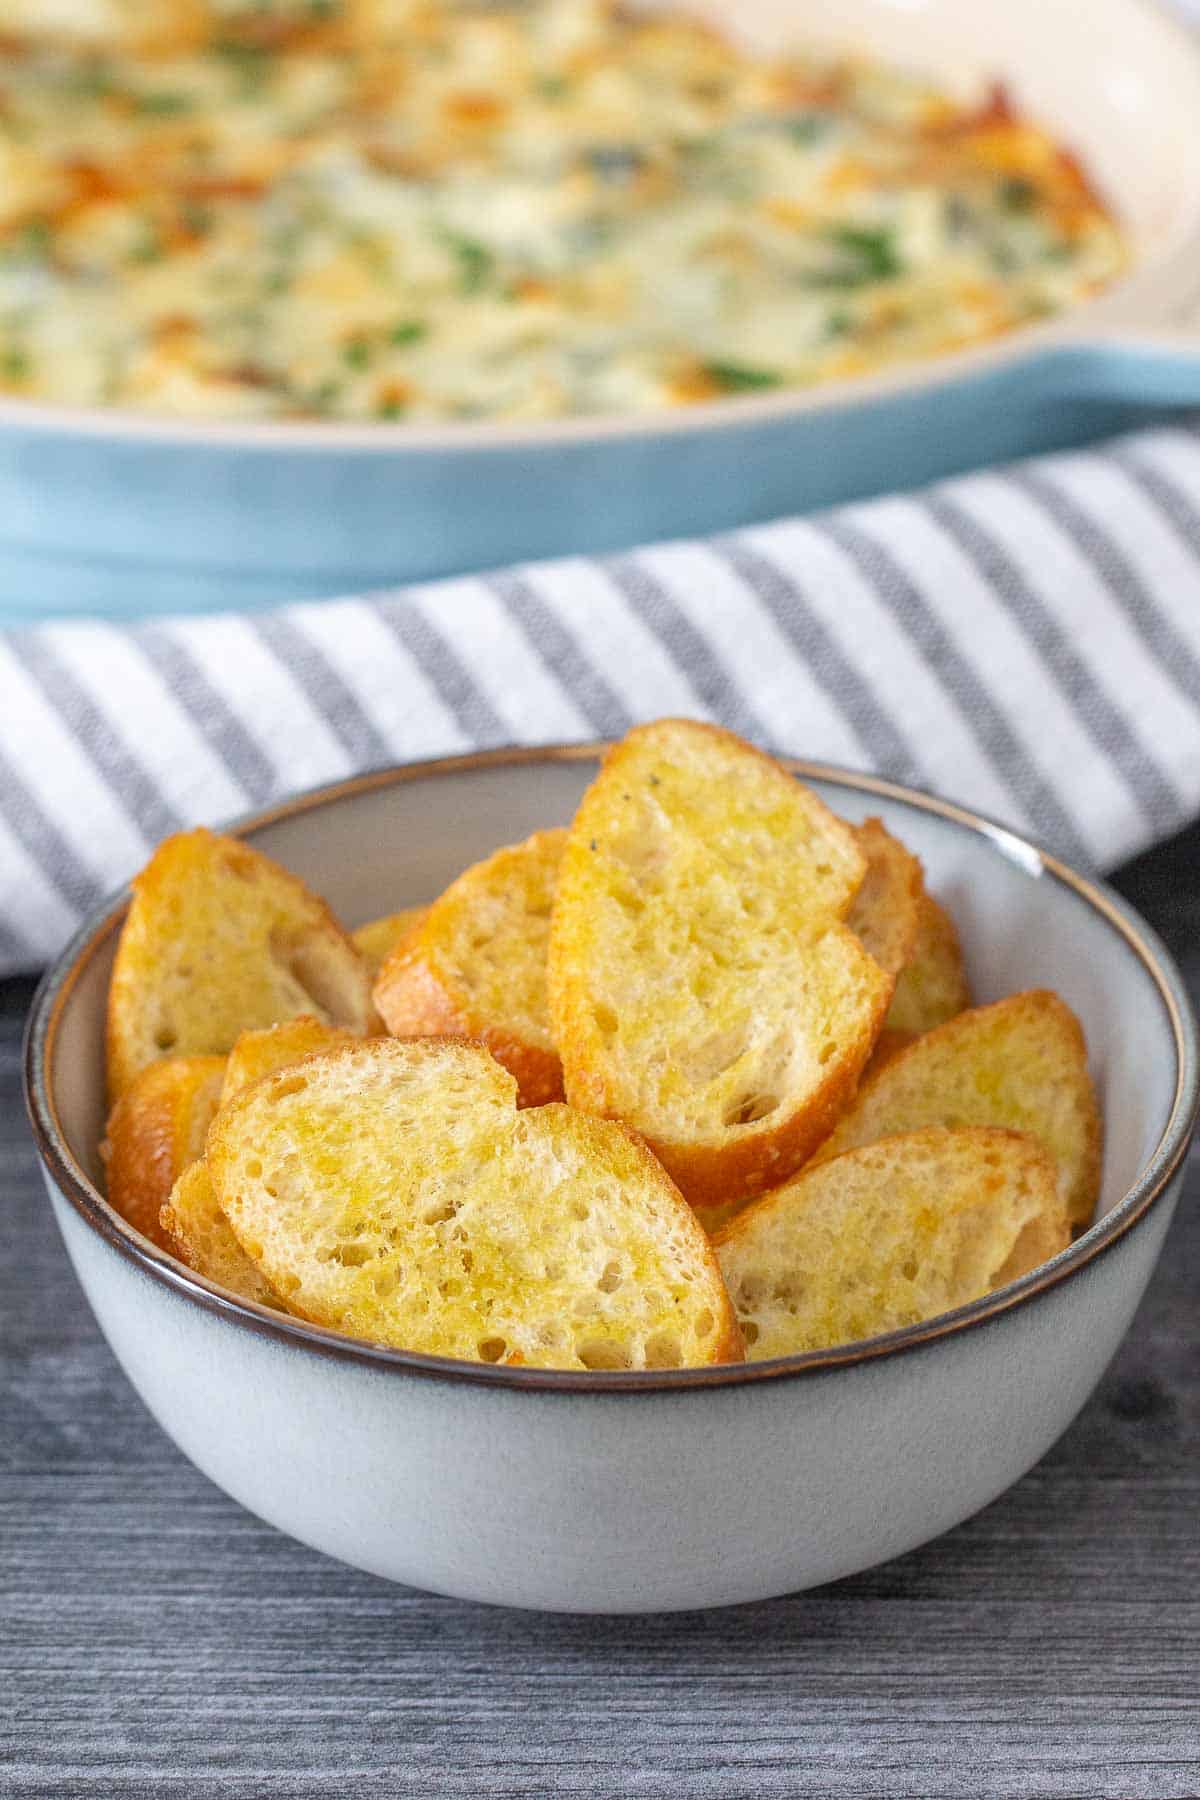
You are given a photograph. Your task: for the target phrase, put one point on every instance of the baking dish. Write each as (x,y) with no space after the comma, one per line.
(123,515)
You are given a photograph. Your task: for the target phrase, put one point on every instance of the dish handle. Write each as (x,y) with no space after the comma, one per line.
(1152,365)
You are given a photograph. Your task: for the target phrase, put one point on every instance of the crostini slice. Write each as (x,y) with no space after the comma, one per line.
(219,940)
(155,1130)
(889,1235)
(704,986)
(376,940)
(1020,1063)
(201,1236)
(260,1053)
(392,1190)
(191,1222)
(475,965)
(885,911)
(932,985)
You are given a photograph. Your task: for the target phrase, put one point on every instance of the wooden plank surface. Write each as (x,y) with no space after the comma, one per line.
(155,1640)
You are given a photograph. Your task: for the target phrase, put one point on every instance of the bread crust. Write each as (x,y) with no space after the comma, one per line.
(198,1233)
(155,1130)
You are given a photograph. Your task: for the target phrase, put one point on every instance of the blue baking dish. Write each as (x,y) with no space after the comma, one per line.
(117,515)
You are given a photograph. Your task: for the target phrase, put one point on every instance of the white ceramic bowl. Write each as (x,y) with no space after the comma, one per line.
(630,1492)
(128,514)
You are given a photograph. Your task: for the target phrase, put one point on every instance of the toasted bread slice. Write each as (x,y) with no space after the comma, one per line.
(393,1191)
(885,911)
(190,1220)
(910,935)
(155,1130)
(703,986)
(476,965)
(221,940)
(932,985)
(259,1053)
(888,1235)
(199,1234)
(376,940)
(1020,1063)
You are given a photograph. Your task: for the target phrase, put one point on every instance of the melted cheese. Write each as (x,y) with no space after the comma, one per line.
(417,209)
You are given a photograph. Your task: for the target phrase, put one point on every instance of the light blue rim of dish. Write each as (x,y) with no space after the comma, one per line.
(140,519)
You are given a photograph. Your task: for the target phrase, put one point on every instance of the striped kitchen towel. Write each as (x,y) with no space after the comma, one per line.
(1025,641)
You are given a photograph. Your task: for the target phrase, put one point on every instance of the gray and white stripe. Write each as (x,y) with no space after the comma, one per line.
(1111,732)
(563,655)
(1026,641)
(963,682)
(113,759)
(202,699)
(676,624)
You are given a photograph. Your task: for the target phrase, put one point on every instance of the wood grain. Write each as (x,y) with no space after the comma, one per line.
(155,1640)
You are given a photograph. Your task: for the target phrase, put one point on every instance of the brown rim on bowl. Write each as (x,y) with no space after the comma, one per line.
(57,985)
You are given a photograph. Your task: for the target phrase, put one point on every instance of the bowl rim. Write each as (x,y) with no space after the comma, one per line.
(1152,1182)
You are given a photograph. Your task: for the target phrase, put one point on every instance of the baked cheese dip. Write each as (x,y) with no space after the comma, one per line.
(436,211)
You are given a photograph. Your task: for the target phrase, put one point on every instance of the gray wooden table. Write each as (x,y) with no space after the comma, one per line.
(154,1639)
